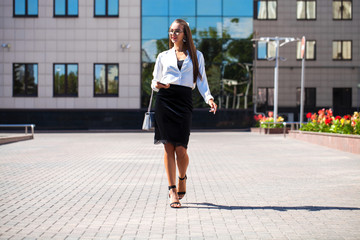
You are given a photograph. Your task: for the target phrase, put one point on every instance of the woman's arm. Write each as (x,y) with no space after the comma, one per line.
(159,85)
(213,106)
(203,85)
(157,74)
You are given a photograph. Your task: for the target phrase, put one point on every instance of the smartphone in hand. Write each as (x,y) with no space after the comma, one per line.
(164,85)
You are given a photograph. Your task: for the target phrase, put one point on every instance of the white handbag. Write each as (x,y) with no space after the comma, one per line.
(149,118)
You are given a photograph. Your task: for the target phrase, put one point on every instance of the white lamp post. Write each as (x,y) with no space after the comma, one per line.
(279,42)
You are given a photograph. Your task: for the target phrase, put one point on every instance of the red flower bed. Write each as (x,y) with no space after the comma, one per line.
(324,121)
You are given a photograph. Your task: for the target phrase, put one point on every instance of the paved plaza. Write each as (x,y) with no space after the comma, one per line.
(241,185)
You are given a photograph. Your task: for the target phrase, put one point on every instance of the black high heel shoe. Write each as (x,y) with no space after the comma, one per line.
(182,194)
(173,204)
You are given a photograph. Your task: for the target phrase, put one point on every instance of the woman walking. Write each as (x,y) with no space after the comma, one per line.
(177,71)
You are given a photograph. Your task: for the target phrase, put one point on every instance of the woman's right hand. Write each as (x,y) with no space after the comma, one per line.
(161,85)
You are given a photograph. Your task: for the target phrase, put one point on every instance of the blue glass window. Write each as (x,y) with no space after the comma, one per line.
(19,7)
(113,7)
(149,31)
(237,27)
(261,50)
(100,7)
(209,7)
(190,20)
(66,8)
(219,28)
(183,8)
(73,7)
(266,50)
(209,27)
(106,8)
(26,8)
(32,7)
(60,7)
(155,8)
(243,8)
(149,50)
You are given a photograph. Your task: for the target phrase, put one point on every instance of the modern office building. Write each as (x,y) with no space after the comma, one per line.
(332,72)
(87,64)
(70,54)
(70,64)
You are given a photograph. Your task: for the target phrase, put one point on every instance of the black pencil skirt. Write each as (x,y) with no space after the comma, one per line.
(173,115)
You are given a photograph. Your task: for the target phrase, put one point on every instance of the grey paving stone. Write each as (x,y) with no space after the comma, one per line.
(240,186)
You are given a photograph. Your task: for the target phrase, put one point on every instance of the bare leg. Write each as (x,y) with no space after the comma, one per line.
(182,160)
(170,168)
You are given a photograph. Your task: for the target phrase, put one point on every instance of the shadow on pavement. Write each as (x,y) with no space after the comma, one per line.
(225,207)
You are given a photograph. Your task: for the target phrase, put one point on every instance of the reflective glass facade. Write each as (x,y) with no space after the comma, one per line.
(221,30)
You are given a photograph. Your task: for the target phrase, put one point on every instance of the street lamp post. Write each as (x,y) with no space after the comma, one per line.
(276,79)
(358,95)
(279,42)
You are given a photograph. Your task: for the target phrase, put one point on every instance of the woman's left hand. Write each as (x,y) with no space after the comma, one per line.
(213,106)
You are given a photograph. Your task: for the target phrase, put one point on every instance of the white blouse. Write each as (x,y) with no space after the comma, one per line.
(166,71)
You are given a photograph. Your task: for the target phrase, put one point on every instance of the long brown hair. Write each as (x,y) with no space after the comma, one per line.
(189,45)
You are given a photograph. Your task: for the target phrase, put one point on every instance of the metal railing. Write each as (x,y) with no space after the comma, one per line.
(292,126)
(26,126)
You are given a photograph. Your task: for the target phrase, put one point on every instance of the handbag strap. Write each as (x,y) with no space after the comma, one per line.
(152,92)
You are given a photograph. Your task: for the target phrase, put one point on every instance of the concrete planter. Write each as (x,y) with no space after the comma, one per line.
(270,130)
(343,142)
(10,139)
(255,129)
